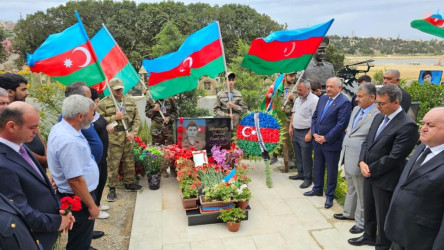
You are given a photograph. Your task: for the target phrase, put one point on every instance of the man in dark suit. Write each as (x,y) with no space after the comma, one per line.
(22,179)
(328,126)
(391,138)
(415,218)
(392,76)
(14,231)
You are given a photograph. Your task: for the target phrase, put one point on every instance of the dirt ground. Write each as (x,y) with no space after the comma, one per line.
(117,227)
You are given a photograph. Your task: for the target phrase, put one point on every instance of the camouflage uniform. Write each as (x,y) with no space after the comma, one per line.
(198,144)
(319,72)
(221,108)
(287,146)
(162,134)
(120,149)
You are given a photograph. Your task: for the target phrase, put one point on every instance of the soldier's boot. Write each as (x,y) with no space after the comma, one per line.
(173,171)
(165,173)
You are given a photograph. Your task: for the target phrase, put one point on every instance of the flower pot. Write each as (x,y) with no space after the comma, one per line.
(213,206)
(154,181)
(243,204)
(233,226)
(189,204)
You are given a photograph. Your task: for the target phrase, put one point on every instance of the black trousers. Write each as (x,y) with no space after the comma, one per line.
(103,175)
(376,205)
(80,237)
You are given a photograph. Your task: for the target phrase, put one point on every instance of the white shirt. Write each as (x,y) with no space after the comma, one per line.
(303,111)
(434,151)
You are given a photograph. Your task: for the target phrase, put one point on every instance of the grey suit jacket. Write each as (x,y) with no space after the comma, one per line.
(351,147)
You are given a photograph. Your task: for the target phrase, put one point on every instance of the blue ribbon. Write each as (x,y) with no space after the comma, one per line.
(217,208)
(230,175)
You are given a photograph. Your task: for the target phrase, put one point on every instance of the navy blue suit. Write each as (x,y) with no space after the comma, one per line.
(30,193)
(332,126)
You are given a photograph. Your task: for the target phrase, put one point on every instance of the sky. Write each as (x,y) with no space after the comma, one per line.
(371,18)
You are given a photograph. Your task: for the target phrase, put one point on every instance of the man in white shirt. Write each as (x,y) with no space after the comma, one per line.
(300,132)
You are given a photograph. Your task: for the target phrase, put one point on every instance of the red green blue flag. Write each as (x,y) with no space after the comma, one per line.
(67,57)
(286,50)
(278,85)
(433,24)
(113,61)
(200,54)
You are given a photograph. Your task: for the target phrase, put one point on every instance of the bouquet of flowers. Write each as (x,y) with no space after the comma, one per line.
(227,158)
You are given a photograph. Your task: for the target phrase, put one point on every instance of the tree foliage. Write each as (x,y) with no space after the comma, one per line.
(3,53)
(335,57)
(429,95)
(136,26)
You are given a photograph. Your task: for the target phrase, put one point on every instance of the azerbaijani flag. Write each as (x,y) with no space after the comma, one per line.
(278,85)
(200,54)
(67,57)
(113,61)
(433,24)
(286,50)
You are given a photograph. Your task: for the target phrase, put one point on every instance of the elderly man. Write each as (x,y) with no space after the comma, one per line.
(319,70)
(22,179)
(357,130)
(415,217)
(120,140)
(300,132)
(4,98)
(73,167)
(15,84)
(328,127)
(392,76)
(391,138)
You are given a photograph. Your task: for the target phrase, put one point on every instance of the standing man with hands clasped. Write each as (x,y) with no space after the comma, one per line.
(415,218)
(328,127)
(391,138)
(300,132)
(73,167)
(357,130)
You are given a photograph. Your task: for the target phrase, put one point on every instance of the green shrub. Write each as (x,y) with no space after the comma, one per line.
(428,94)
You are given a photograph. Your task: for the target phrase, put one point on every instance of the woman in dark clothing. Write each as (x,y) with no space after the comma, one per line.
(100,126)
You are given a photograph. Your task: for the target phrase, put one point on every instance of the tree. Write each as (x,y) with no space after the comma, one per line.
(168,40)
(3,52)
(333,56)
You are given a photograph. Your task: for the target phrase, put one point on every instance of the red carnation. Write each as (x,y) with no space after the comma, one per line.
(180,129)
(181,119)
(179,137)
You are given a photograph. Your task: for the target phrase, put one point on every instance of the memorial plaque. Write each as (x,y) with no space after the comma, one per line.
(203,133)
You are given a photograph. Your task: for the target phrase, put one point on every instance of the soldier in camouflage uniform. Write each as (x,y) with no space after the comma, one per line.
(162,128)
(289,92)
(120,142)
(222,106)
(319,70)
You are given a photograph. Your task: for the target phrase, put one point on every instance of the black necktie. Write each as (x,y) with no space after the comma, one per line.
(420,160)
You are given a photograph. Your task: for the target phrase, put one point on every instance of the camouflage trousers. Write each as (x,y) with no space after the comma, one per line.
(287,150)
(120,149)
(161,135)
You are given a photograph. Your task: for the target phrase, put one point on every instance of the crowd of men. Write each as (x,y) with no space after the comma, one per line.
(395,203)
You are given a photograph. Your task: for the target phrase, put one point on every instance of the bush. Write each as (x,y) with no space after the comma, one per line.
(428,94)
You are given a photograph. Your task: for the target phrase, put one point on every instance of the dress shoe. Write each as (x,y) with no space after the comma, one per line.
(328,202)
(313,193)
(359,241)
(341,217)
(273,160)
(97,234)
(305,184)
(296,177)
(356,230)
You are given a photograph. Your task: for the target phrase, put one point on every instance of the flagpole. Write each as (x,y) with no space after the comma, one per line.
(299,79)
(226,73)
(123,54)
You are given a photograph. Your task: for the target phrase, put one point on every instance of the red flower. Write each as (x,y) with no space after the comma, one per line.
(179,137)
(180,130)
(70,204)
(120,178)
(181,119)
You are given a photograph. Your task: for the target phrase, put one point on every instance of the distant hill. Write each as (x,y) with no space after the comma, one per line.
(386,46)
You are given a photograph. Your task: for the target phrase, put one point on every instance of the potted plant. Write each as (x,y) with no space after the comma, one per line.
(152,161)
(242,196)
(189,197)
(217,197)
(232,217)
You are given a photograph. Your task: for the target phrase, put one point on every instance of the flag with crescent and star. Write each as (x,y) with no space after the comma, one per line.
(113,61)
(278,85)
(200,54)
(67,57)
(285,51)
(432,24)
